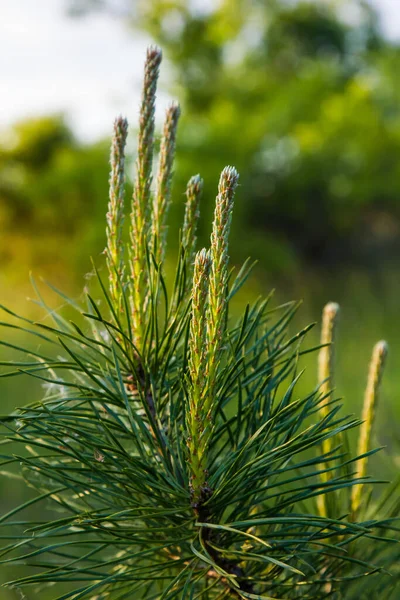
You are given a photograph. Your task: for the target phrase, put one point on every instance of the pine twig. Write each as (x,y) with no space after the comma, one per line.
(162,199)
(198,363)
(326,359)
(140,216)
(115,214)
(194,191)
(216,316)
(375,373)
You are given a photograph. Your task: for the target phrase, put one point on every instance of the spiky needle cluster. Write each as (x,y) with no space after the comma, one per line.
(171,442)
(207,332)
(141,200)
(326,377)
(192,213)
(115,215)
(217,310)
(163,191)
(199,423)
(375,373)
(326,361)
(355,499)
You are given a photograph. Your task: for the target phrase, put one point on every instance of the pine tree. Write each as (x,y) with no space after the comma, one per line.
(172,456)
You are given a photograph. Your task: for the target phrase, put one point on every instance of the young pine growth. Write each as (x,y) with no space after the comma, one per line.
(326,365)
(199,423)
(192,213)
(357,500)
(217,309)
(115,215)
(172,456)
(163,189)
(368,416)
(141,200)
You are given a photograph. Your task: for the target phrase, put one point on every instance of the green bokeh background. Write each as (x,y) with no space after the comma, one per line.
(307,106)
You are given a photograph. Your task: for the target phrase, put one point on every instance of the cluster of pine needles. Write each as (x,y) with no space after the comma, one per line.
(171,456)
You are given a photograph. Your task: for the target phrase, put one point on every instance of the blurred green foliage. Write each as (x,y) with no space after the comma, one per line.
(303,98)
(53,191)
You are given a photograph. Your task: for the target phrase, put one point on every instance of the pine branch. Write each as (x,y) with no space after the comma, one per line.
(194,191)
(326,362)
(163,189)
(198,423)
(140,216)
(218,294)
(375,373)
(173,444)
(115,215)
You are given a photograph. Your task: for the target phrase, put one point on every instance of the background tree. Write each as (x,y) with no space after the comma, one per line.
(311,95)
(51,189)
